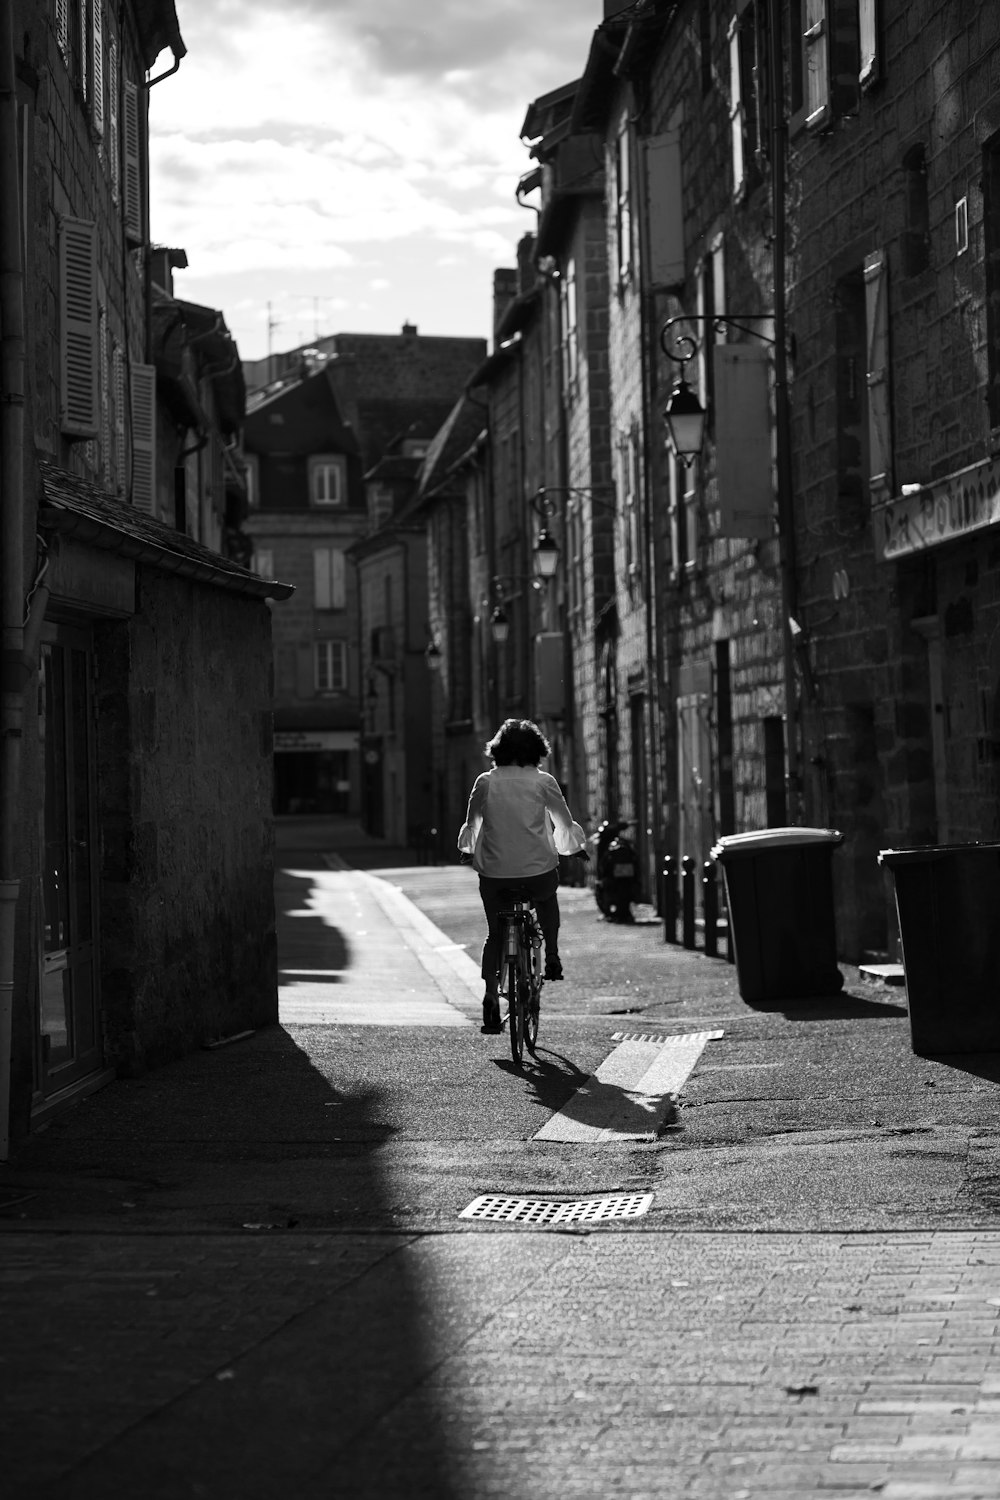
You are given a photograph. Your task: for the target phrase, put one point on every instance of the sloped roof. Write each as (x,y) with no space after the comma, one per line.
(75,507)
(452,443)
(311,419)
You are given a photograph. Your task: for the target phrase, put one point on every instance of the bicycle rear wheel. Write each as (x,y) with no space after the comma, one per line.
(517,987)
(533,991)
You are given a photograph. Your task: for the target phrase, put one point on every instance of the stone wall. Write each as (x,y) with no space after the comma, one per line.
(184,793)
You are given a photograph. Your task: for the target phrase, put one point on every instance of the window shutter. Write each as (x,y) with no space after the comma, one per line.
(144,437)
(321,578)
(868,27)
(879,423)
(118,397)
(665,248)
(85,58)
(78,329)
(338,580)
(816,52)
(114,143)
(62,27)
(133,165)
(97,69)
(624,204)
(736,111)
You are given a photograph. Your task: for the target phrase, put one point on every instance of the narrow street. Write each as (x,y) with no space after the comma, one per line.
(248,1273)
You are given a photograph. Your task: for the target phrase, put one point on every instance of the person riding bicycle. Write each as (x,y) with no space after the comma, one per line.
(516,827)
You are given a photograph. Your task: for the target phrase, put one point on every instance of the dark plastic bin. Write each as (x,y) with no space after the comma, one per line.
(948,904)
(779,888)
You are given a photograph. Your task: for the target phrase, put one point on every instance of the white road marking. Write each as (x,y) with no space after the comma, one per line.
(627,1097)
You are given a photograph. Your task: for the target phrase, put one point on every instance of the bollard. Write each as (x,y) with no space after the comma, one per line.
(668,899)
(687,899)
(710,906)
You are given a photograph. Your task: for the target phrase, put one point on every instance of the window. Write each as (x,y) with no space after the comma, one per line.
(623,214)
(629,470)
(747,94)
(330,659)
(329,577)
(262,562)
(567,301)
(326,480)
(252,471)
(837,58)
(877,375)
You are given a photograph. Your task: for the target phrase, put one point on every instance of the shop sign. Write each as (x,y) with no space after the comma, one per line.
(313,740)
(929,515)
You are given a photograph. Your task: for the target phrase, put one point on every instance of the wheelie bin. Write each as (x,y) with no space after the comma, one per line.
(779,889)
(948,905)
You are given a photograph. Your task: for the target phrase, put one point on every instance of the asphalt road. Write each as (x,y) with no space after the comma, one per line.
(248,1273)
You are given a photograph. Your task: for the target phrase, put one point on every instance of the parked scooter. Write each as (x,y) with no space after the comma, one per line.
(617,872)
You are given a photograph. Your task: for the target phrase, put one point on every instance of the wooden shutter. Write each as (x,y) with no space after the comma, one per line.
(879,415)
(868,27)
(97,68)
(133,164)
(321,578)
(144,437)
(78,327)
(816,56)
(62,27)
(665,250)
(114,141)
(736,110)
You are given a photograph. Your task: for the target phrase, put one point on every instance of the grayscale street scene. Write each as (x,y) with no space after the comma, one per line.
(500,750)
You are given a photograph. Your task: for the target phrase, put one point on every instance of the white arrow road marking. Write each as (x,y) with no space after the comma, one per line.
(627,1097)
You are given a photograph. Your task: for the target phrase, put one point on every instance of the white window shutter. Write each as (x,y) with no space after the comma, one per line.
(736,109)
(114,143)
(97,69)
(816,55)
(78,327)
(133,164)
(144,437)
(868,28)
(879,416)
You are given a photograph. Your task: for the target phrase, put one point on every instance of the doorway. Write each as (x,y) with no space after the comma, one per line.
(68,1038)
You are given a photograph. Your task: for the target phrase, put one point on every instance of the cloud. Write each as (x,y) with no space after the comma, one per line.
(300,136)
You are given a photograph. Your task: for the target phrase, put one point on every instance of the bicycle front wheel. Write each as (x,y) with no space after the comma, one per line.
(517,990)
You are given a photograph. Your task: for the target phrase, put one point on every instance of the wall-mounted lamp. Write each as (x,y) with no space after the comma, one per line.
(499,624)
(684,415)
(546,554)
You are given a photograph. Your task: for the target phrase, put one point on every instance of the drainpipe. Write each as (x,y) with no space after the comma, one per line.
(12,573)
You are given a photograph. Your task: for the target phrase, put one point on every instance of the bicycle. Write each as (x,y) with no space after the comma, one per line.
(519,979)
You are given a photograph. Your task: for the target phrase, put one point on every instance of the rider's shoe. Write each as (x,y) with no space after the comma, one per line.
(491,1016)
(553,969)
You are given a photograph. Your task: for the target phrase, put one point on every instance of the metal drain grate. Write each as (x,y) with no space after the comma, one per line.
(502,1210)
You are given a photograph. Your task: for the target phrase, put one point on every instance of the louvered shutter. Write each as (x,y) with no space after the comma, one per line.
(78,327)
(868,28)
(144,437)
(879,416)
(133,164)
(97,69)
(62,27)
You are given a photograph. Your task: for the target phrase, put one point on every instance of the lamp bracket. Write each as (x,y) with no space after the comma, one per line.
(681,346)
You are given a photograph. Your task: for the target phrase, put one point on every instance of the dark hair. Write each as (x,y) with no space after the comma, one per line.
(518,742)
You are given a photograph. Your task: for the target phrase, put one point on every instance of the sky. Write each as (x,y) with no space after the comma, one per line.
(335,166)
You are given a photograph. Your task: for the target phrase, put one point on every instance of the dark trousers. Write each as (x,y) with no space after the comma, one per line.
(496,894)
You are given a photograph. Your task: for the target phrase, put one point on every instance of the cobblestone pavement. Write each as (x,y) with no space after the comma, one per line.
(502,1363)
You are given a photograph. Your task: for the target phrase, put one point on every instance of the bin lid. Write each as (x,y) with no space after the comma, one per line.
(773,838)
(892,857)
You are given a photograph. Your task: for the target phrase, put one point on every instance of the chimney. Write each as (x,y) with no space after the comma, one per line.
(504,292)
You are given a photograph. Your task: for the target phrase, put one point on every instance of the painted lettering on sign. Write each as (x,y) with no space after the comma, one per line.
(938,513)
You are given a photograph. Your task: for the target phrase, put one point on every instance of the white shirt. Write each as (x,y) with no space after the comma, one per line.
(518,823)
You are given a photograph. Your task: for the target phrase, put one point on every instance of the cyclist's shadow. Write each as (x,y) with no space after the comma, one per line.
(557,1085)
(554,1082)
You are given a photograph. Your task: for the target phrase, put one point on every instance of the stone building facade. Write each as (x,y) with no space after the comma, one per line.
(136,903)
